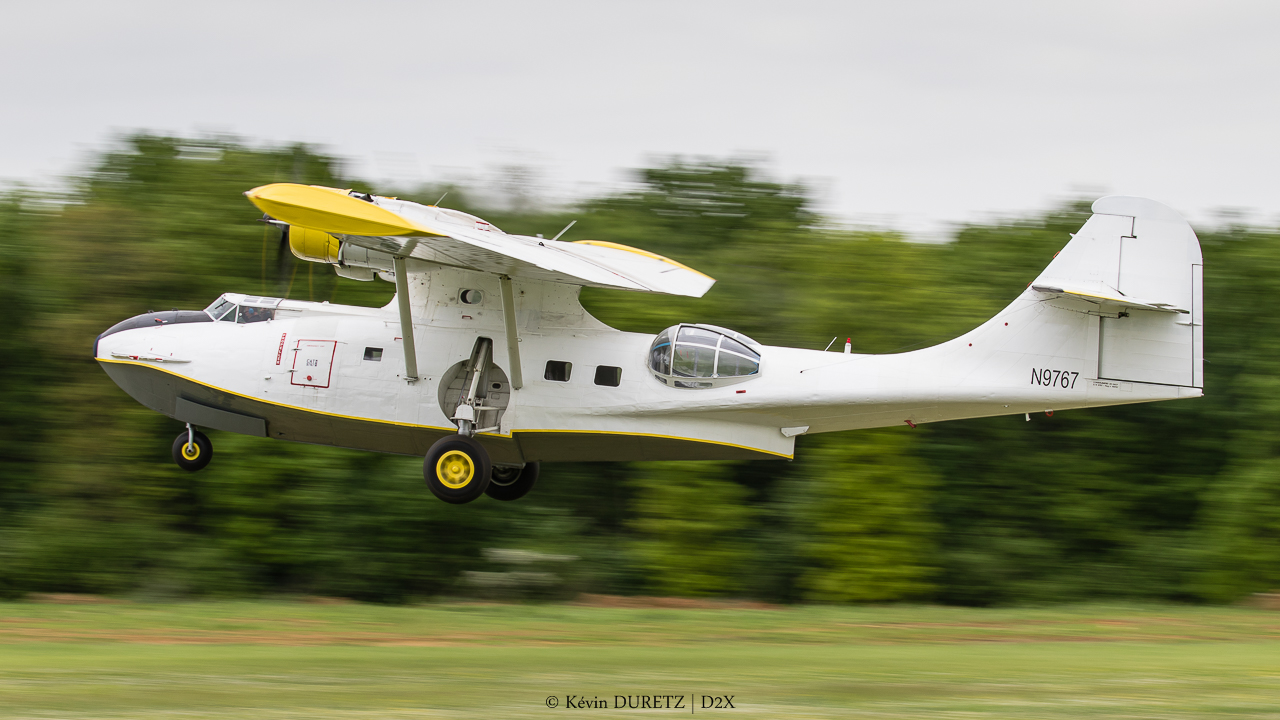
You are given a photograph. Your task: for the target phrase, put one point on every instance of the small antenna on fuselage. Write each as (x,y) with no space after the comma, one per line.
(565,230)
(442,197)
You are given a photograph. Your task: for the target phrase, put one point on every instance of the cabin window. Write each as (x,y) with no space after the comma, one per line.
(608,376)
(373,354)
(558,370)
(703,356)
(471,297)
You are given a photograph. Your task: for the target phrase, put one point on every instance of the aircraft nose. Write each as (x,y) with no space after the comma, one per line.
(153,319)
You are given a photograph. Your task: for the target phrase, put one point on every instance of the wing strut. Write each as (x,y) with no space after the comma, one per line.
(513,339)
(406,317)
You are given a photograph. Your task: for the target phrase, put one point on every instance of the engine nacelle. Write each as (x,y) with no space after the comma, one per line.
(349,261)
(314,245)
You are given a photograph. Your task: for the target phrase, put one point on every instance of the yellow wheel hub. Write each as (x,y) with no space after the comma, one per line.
(455,469)
(190,451)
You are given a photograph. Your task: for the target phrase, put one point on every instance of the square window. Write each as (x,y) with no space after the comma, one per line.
(558,370)
(374,354)
(608,376)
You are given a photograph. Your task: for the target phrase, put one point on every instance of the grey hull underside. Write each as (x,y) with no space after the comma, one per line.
(209,407)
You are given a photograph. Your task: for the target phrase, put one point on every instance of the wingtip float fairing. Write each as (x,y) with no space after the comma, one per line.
(486,364)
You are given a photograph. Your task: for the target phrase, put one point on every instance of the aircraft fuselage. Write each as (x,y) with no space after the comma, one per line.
(335,375)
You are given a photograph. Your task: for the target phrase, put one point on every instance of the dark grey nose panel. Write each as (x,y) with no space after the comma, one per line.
(209,417)
(152,319)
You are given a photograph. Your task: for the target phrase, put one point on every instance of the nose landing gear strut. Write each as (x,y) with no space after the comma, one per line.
(192,449)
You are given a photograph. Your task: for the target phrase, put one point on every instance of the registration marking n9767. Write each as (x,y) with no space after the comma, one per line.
(1054,378)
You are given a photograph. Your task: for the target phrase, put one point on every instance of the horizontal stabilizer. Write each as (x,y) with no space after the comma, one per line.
(1103,296)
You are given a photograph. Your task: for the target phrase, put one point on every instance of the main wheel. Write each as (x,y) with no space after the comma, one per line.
(508,483)
(457,469)
(195,455)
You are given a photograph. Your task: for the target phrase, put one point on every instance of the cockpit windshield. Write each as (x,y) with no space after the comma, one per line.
(703,356)
(221,309)
(249,309)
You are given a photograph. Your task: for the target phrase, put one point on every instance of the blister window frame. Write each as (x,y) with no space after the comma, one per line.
(662,360)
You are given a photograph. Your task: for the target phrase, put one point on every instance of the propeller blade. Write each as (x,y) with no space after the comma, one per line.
(284,257)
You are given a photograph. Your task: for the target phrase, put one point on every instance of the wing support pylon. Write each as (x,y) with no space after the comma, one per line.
(513,337)
(406,316)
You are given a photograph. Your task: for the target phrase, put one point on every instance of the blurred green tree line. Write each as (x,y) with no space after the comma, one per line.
(1173,501)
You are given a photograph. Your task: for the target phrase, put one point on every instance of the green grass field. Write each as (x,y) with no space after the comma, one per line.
(296,660)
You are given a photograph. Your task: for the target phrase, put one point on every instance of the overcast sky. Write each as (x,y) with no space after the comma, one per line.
(912,114)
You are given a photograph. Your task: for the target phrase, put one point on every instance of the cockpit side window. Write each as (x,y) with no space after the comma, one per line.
(255,314)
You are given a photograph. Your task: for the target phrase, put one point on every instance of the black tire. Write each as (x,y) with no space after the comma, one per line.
(457,469)
(198,457)
(512,483)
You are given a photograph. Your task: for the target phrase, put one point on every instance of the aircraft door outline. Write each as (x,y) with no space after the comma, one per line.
(313,363)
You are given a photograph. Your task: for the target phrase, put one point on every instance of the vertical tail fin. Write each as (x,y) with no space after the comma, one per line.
(1137,264)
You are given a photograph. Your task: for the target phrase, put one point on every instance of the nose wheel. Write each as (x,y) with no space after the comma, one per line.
(192,450)
(457,469)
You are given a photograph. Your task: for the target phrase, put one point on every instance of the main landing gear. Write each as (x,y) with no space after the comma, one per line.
(457,468)
(512,483)
(192,449)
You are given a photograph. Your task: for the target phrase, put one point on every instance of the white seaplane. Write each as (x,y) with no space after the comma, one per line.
(486,364)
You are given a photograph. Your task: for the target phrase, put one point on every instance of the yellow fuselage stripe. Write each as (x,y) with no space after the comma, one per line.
(433,427)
